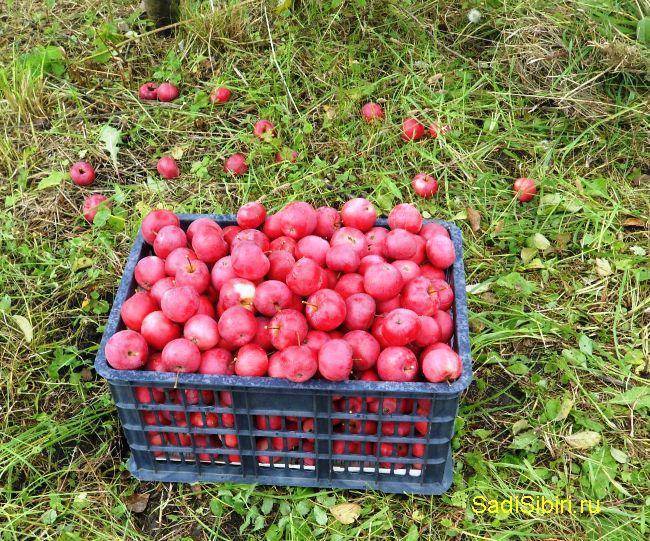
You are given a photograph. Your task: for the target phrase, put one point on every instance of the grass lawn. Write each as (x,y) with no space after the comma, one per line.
(558,287)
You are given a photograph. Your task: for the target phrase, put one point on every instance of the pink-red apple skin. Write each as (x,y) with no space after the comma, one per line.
(126,350)
(82,173)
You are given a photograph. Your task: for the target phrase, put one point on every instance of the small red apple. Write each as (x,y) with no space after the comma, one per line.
(167,92)
(412,129)
(91,205)
(424,185)
(82,173)
(263,129)
(148,91)
(372,111)
(236,164)
(220,95)
(168,168)
(126,350)
(525,189)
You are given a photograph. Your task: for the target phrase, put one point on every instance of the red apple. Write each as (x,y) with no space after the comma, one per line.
(335,360)
(220,95)
(441,252)
(251,360)
(126,350)
(168,168)
(82,174)
(236,292)
(209,245)
(328,220)
(180,303)
(405,216)
(325,310)
(264,130)
(236,164)
(136,308)
(397,364)
(280,264)
(360,311)
(158,330)
(424,185)
(305,277)
(167,92)
(352,237)
(300,363)
(376,241)
(248,261)
(148,271)
(412,129)
(148,91)
(159,288)
(400,327)
(181,355)
(238,326)
(312,247)
(91,205)
(372,111)
(365,350)
(441,363)
(155,221)
(217,361)
(382,281)
(359,213)
(420,296)
(298,219)
(193,273)
(271,296)
(288,328)
(525,189)
(202,330)
(251,215)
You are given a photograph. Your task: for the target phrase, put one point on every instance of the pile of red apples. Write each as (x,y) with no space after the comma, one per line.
(304,293)
(301,294)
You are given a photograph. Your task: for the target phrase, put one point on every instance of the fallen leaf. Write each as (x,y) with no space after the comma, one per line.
(603,268)
(618,455)
(565,409)
(53,179)
(519,425)
(527,254)
(474,218)
(634,222)
(137,503)
(25,326)
(540,242)
(498,227)
(586,439)
(330,112)
(346,513)
(86,374)
(111,138)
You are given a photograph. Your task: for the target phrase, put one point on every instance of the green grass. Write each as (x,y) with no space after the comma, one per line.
(558,287)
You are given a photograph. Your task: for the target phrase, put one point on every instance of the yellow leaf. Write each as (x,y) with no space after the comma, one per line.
(346,513)
(585,439)
(25,326)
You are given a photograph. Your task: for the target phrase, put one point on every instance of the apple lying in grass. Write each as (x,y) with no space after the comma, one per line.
(525,189)
(168,168)
(167,92)
(92,204)
(148,91)
(220,95)
(372,111)
(82,173)
(236,164)
(424,185)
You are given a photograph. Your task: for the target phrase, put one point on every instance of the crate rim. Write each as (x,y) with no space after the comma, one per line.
(194,380)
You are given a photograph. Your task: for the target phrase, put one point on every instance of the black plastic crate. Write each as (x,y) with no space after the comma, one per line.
(313,443)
